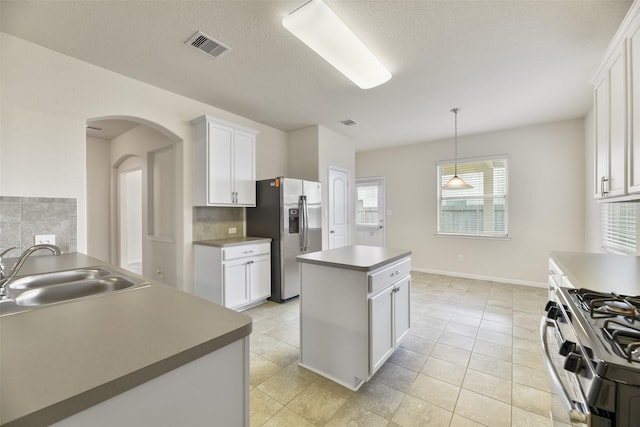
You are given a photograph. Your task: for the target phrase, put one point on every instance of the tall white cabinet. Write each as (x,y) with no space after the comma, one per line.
(224,163)
(354,310)
(617,114)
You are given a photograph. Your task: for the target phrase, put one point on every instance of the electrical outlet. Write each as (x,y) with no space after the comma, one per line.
(232,230)
(40,239)
(460,258)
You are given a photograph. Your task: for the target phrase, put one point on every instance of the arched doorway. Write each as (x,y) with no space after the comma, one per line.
(134,169)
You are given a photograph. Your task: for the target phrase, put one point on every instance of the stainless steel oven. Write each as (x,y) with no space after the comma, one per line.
(591,348)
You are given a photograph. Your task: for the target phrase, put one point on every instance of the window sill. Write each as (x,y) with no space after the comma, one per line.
(473,236)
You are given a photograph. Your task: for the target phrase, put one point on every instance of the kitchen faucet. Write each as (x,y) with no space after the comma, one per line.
(5,279)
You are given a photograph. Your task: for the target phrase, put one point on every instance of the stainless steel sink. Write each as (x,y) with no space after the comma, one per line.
(50,288)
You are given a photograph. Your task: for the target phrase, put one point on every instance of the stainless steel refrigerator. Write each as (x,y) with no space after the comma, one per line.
(289,211)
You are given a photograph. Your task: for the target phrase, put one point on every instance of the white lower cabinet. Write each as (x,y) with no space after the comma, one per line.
(238,277)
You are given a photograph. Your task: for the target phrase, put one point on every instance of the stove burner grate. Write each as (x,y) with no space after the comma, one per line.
(606,305)
(624,338)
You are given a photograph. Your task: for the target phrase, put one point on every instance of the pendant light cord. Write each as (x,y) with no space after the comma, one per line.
(455,141)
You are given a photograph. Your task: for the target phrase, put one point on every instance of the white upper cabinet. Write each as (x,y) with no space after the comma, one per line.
(617,114)
(224,163)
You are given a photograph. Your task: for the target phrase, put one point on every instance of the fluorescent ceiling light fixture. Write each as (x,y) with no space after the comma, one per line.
(317,26)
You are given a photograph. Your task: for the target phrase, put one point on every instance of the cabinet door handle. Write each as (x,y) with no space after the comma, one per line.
(602,181)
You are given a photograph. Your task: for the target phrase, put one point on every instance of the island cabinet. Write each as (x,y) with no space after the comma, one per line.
(354,310)
(235,273)
(224,163)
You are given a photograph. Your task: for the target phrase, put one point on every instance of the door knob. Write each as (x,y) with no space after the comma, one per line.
(332,232)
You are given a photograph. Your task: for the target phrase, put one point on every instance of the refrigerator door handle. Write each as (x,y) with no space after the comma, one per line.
(301,225)
(304,224)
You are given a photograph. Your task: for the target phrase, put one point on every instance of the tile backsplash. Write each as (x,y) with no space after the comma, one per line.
(214,222)
(22,218)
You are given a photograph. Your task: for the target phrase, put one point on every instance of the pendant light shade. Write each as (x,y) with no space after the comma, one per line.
(456,183)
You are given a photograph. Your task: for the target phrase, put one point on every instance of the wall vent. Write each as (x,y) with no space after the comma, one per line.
(348,122)
(207,44)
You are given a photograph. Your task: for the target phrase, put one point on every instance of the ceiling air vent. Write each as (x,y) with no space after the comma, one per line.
(207,44)
(348,122)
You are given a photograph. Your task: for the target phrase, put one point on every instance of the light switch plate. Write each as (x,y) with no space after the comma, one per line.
(232,230)
(45,239)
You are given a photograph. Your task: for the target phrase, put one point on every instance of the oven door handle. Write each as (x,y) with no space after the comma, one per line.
(575,414)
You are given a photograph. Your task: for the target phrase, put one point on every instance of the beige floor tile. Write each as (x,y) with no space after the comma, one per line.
(491,365)
(499,318)
(529,334)
(522,418)
(487,385)
(287,418)
(378,398)
(263,407)
(316,404)
(532,377)
(457,341)
(531,399)
(528,359)
(445,371)
(483,409)
(451,354)
(494,350)
(435,391)
(465,318)
(462,329)
(395,376)
(261,369)
(504,328)
(460,421)
(335,388)
(526,345)
(288,383)
(352,415)
(526,320)
(415,412)
(418,344)
(408,358)
(495,337)
(425,332)
(286,334)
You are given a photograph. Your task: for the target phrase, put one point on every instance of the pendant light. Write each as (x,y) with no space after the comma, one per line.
(456,183)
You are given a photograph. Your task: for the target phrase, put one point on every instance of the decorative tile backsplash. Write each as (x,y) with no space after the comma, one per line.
(214,222)
(22,218)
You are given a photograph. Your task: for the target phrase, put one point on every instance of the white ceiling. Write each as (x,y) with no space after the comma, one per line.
(505,63)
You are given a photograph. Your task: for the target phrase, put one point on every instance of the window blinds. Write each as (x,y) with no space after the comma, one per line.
(367,210)
(619,227)
(478,211)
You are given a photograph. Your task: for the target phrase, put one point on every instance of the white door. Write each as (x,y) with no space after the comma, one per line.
(370,212)
(338,207)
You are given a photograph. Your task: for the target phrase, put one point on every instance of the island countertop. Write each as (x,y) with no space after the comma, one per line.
(360,258)
(60,359)
(601,272)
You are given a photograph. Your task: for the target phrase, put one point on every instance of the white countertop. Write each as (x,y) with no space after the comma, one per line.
(232,241)
(361,258)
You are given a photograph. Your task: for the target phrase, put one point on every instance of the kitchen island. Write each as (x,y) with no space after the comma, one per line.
(354,310)
(149,356)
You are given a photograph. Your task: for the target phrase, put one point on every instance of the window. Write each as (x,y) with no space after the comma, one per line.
(620,227)
(478,211)
(367,209)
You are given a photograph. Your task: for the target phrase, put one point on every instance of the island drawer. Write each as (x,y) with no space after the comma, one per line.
(242,251)
(385,277)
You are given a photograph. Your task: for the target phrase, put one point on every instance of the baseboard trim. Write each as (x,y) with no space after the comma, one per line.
(479,277)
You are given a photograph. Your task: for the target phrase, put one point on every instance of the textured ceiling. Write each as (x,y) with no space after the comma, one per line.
(505,63)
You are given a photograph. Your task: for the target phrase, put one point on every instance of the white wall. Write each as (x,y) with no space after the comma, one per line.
(546,184)
(47,98)
(303,154)
(98,196)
